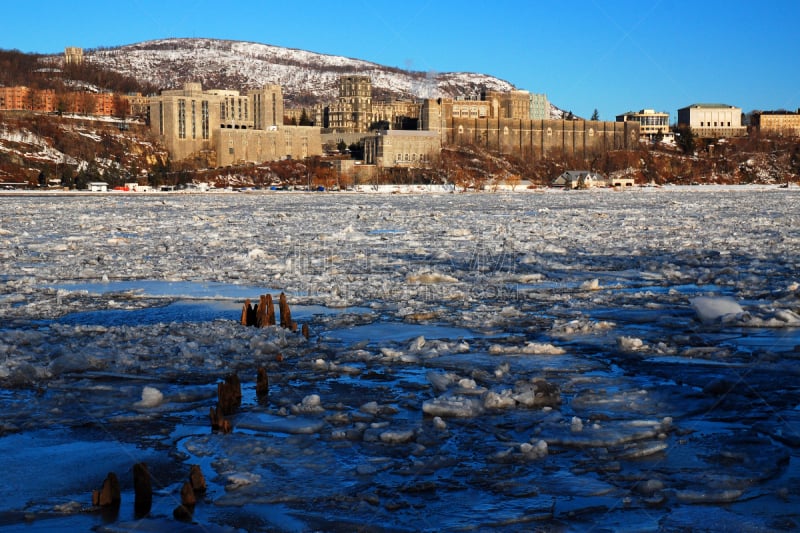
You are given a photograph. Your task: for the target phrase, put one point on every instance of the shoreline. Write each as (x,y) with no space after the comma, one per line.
(409,190)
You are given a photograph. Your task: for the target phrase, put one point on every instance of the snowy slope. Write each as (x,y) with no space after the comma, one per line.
(305,76)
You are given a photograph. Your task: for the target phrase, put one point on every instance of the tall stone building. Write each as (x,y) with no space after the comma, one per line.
(352,111)
(224,127)
(73,55)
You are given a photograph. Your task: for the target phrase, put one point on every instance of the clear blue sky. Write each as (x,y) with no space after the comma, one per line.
(612,55)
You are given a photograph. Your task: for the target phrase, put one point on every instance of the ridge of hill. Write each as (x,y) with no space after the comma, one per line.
(306,77)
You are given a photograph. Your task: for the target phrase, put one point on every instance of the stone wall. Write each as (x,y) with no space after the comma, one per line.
(241,146)
(541,138)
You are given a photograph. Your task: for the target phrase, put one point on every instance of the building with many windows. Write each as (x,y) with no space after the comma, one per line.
(540,106)
(401,148)
(222,127)
(73,55)
(653,124)
(26,99)
(778,122)
(712,120)
(510,104)
(352,111)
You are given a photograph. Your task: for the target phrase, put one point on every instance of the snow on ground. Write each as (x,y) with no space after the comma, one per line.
(482,361)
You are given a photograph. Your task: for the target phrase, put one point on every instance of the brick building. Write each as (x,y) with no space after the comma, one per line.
(26,99)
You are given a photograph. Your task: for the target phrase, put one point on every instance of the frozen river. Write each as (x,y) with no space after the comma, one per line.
(556,361)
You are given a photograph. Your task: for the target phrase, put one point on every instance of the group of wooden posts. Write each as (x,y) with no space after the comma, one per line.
(229,392)
(262,315)
(109,495)
(229,398)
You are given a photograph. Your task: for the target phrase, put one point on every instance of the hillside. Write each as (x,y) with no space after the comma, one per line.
(306,77)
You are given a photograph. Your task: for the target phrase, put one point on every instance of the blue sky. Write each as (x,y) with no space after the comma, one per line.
(614,56)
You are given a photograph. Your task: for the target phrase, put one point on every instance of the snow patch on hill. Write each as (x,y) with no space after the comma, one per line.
(169,63)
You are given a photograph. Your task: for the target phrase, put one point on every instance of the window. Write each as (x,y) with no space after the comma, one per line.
(181,118)
(194,128)
(204,118)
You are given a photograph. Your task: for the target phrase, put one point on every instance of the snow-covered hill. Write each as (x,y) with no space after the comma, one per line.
(305,76)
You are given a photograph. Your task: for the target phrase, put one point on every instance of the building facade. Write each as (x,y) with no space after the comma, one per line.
(395,114)
(528,138)
(23,98)
(73,55)
(712,120)
(353,109)
(401,148)
(652,124)
(778,122)
(511,104)
(224,127)
(540,107)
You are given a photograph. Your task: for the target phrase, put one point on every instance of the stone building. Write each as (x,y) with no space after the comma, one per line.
(395,114)
(401,148)
(73,55)
(224,127)
(778,122)
(512,104)
(652,124)
(540,106)
(526,137)
(712,120)
(352,111)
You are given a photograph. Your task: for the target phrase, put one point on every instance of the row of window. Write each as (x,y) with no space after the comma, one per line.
(204,128)
(411,157)
(708,124)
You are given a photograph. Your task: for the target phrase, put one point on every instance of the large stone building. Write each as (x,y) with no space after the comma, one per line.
(778,122)
(401,148)
(224,127)
(511,104)
(352,111)
(73,55)
(652,124)
(712,120)
(395,114)
(525,137)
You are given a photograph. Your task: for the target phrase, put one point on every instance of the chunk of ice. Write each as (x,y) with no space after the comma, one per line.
(711,309)
(151,397)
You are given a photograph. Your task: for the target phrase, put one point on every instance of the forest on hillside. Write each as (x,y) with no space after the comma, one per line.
(45,72)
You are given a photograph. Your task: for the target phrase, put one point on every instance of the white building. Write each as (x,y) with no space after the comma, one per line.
(98,186)
(580,179)
(713,120)
(652,124)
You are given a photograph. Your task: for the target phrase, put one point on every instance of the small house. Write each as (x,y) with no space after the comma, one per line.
(98,186)
(579,179)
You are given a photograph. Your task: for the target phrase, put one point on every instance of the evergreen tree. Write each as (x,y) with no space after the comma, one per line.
(595,115)
(685,138)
